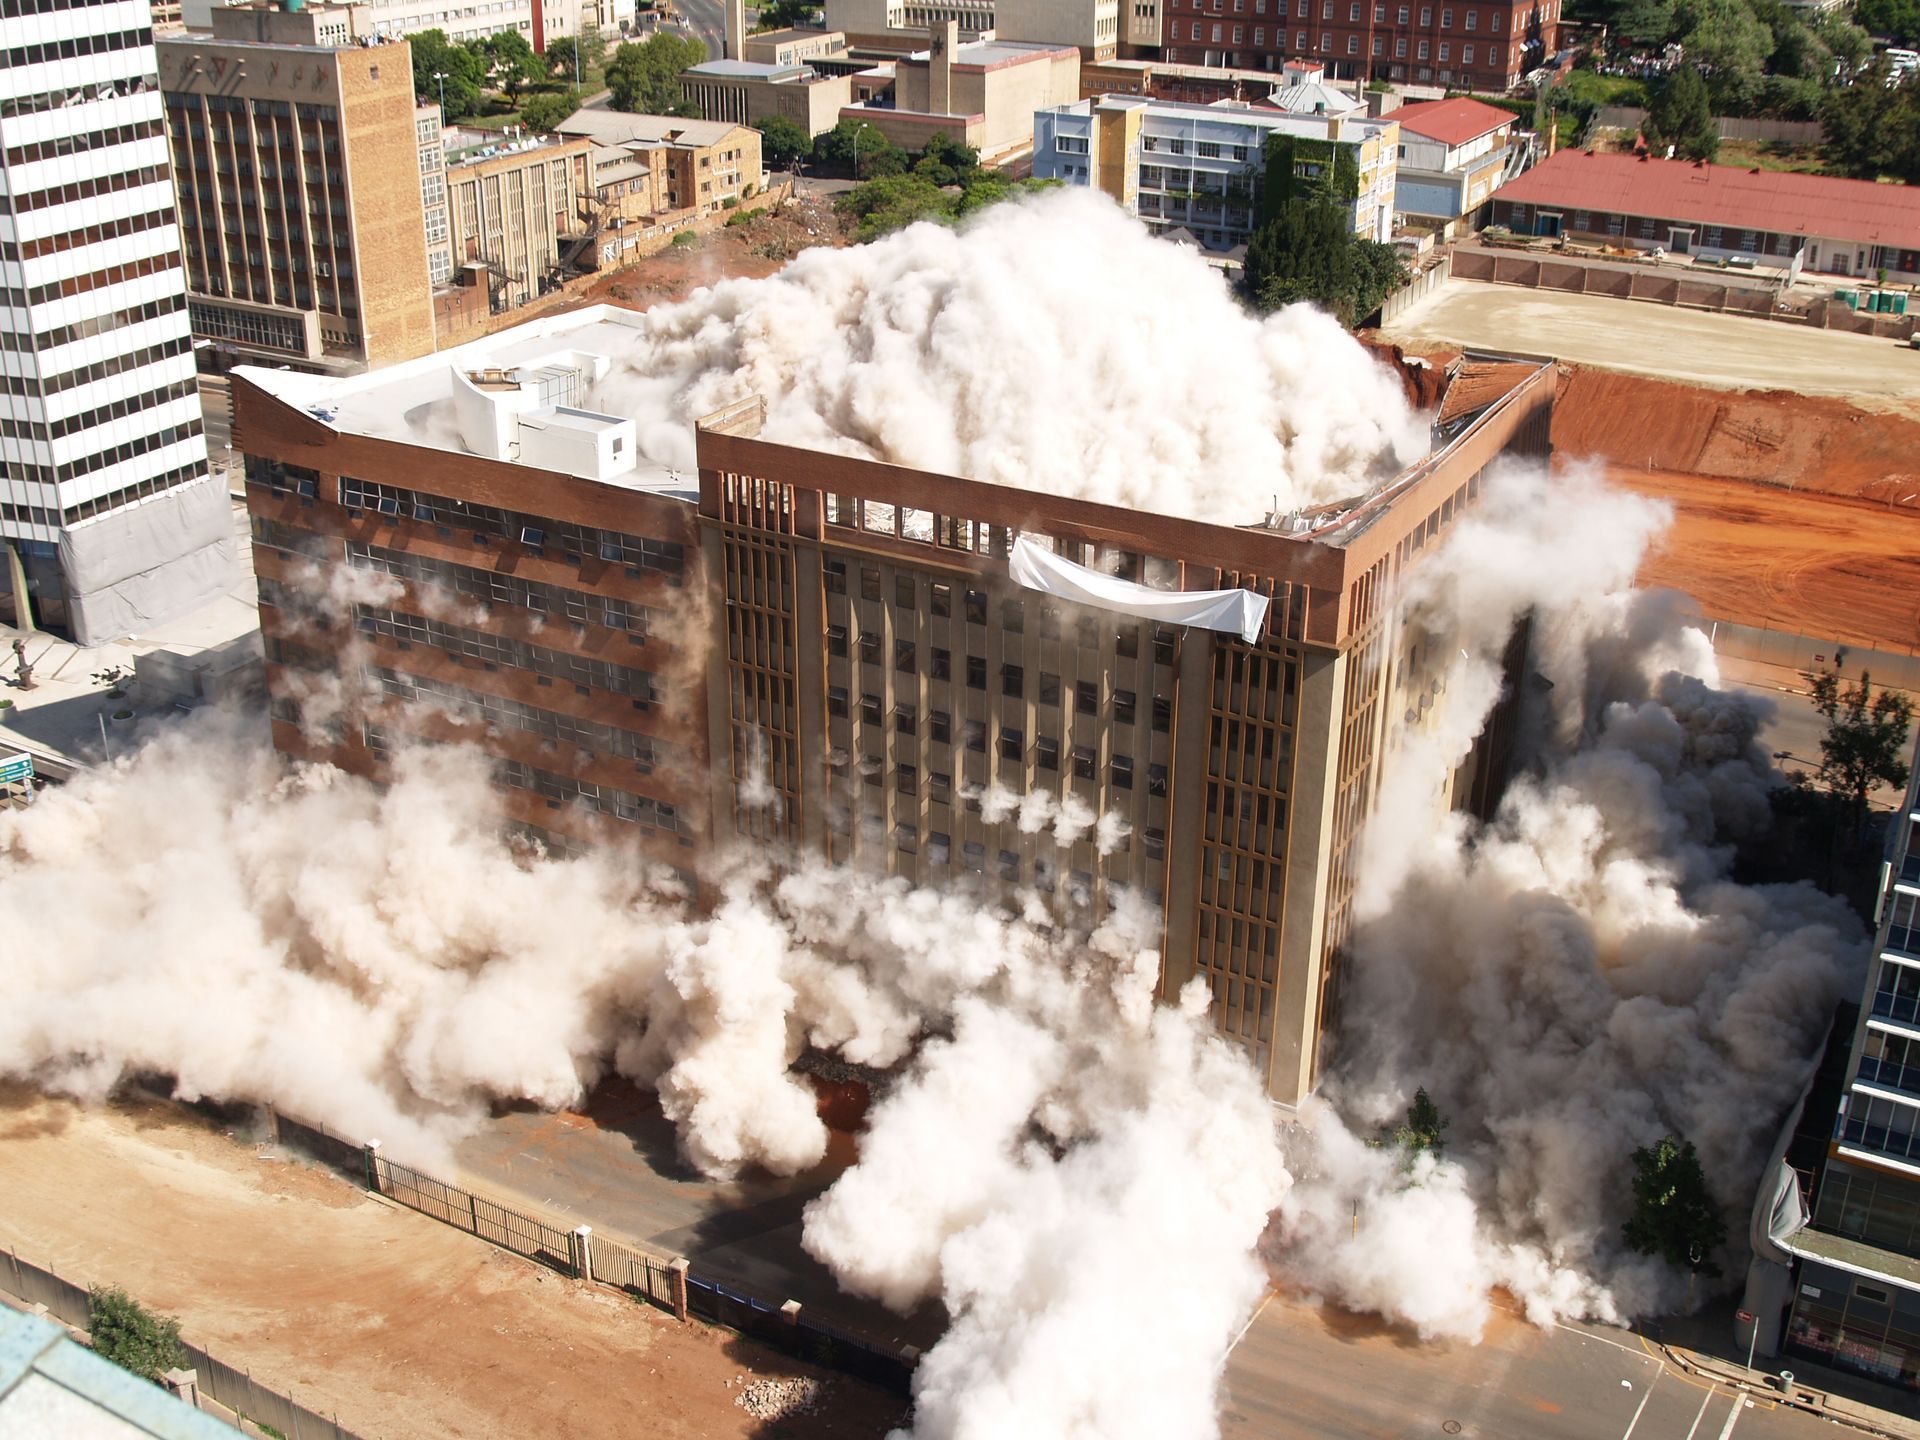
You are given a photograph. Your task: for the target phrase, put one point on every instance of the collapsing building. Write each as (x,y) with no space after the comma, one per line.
(943,679)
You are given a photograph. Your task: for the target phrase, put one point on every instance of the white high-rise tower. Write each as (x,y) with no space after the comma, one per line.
(109,519)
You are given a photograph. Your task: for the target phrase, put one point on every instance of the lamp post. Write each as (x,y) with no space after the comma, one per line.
(441,77)
(857,134)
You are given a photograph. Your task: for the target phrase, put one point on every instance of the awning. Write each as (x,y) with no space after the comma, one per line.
(1235,612)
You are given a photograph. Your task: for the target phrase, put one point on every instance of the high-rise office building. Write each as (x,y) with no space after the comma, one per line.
(953,682)
(297,153)
(110,518)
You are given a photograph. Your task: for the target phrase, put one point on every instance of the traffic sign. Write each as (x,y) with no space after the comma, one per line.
(16,769)
(1745,1317)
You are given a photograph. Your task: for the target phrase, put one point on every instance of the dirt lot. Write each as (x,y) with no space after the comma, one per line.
(401,1325)
(1837,568)
(1728,351)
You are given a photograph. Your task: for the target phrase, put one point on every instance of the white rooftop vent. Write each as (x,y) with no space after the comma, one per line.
(529,415)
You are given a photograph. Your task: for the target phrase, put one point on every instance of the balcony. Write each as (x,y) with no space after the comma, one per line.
(1882,1142)
(1889,1076)
(1897,1008)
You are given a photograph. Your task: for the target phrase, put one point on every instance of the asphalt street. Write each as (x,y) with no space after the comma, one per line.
(707,22)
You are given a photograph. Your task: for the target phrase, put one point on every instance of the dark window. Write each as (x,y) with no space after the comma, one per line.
(870,709)
(940,785)
(973,855)
(976,607)
(905,838)
(943,600)
(1046,751)
(1049,622)
(836,576)
(906,719)
(837,640)
(869,583)
(1013,742)
(1162,645)
(1083,761)
(1086,698)
(939,847)
(1123,707)
(906,779)
(904,591)
(903,660)
(1013,680)
(1126,643)
(1009,867)
(1156,779)
(1122,772)
(1013,617)
(975,733)
(870,647)
(1162,714)
(1087,632)
(943,664)
(1049,689)
(940,726)
(976,672)
(837,700)
(1156,842)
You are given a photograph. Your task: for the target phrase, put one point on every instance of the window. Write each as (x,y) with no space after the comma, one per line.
(1013,743)
(906,719)
(1122,772)
(1013,617)
(976,607)
(975,735)
(870,709)
(1163,645)
(903,659)
(1013,681)
(940,786)
(1239,33)
(1379,45)
(1049,689)
(1156,780)
(906,780)
(940,726)
(1086,697)
(1046,751)
(1353,44)
(1402,15)
(974,855)
(939,848)
(1300,40)
(942,664)
(905,837)
(905,591)
(1426,16)
(1259,43)
(1162,714)
(1123,707)
(837,700)
(1472,19)
(1423,50)
(1010,867)
(870,647)
(976,672)
(837,640)
(1400,52)
(943,601)
(1216,40)
(1493,22)
(1155,842)
(1083,759)
(869,583)
(1466,54)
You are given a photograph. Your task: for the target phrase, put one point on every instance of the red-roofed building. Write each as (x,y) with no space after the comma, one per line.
(1453,155)
(1484,45)
(1843,227)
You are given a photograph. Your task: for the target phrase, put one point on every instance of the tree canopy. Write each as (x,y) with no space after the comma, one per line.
(1682,116)
(1309,252)
(786,15)
(132,1336)
(545,110)
(782,142)
(1865,744)
(645,77)
(856,147)
(891,202)
(1674,1218)
(453,76)
(514,64)
(1872,128)
(1420,1134)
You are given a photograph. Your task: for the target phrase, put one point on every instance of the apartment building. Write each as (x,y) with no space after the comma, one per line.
(1486,47)
(430,132)
(109,518)
(542,22)
(297,158)
(899,659)
(521,206)
(899,27)
(1454,154)
(1855,1291)
(690,165)
(1201,168)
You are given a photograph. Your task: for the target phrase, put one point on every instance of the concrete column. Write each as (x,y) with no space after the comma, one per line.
(17,580)
(183,1385)
(790,1312)
(943,40)
(736,30)
(678,1270)
(580,1252)
(373,1167)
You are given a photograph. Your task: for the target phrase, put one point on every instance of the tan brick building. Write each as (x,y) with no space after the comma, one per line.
(296,159)
(906,660)
(691,165)
(522,207)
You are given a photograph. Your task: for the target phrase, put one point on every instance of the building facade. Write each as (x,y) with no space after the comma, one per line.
(543,23)
(1201,168)
(745,92)
(690,165)
(1750,217)
(430,132)
(522,207)
(1486,47)
(984,93)
(297,158)
(108,513)
(901,661)
(1454,154)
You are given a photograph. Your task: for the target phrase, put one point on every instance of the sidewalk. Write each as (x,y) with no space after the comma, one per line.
(62,721)
(1829,1403)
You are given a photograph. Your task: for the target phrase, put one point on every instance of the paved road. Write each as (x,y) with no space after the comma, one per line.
(1729,351)
(1300,1373)
(705,21)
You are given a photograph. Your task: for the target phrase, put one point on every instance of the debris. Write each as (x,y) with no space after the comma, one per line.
(766,1398)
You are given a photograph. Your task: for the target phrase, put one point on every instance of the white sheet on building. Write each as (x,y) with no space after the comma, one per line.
(146,563)
(1236,612)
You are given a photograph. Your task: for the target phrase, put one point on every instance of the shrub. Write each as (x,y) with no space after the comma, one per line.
(132,1336)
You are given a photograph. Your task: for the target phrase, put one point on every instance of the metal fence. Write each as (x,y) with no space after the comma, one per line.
(802,1336)
(229,1387)
(349,1157)
(639,1275)
(1731,127)
(491,1221)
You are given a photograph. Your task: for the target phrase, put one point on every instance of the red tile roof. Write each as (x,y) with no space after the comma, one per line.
(1724,195)
(1452,122)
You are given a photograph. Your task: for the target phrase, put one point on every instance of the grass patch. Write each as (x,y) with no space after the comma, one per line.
(1772,155)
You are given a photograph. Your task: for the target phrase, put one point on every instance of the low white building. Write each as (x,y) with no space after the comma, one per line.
(1199,168)
(1453,155)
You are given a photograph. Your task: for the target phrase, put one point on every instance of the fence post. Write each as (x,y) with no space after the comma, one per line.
(677,1272)
(373,1166)
(790,1312)
(580,1244)
(183,1385)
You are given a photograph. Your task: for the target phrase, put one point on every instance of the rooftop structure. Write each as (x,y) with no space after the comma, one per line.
(52,1385)
(1454,154)
(1848,227)
(1454,122)
(1159,80)
(984,93)
(1200,168)
(793,47)
(745,92)
(906,661)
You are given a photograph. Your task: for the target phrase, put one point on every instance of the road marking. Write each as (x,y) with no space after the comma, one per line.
(1643,1405)
(1249,1325)
(1705,1400)
(1733,1416)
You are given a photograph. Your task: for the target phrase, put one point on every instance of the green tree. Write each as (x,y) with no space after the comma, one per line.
(548,109)
(1421,1132)
(1650,22)
(1309,252)
(782,142)
(856,147)
(1674,1217)
(786,15)
(1871,127)
(894,202)
(132,1336)
(1865,744)
(513,64)
(645,77)
(443,68)
(1681,116)
(1897,20)
(1728,42)
(947,161)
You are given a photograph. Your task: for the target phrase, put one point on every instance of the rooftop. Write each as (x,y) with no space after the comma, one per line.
(1451,122)
(1228,113)
(617,127)
(1780,202)
(1313,97)
(470,147)
(747,70)
(51,1385)
(992,54)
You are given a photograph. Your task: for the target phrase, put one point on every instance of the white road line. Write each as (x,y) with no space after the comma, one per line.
(1643,1405)
(1732,1415)
(1705,1401)
(1249,1325)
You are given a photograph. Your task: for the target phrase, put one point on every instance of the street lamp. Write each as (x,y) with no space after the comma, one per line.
(857,134)
(441,77)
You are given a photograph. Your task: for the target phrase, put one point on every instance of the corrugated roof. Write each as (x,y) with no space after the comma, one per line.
(1724,195)
(1478,383)
(1451,122)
